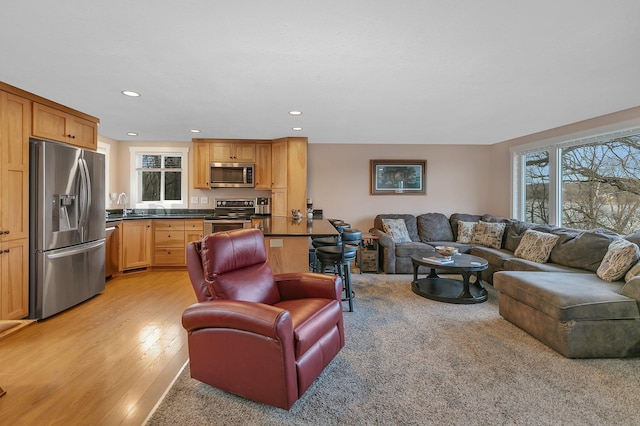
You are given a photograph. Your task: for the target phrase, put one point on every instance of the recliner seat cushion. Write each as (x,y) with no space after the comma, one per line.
(567,296)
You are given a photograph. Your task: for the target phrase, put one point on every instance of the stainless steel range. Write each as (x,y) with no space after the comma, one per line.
(230,213)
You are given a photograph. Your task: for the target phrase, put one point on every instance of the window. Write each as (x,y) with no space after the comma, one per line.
(159,177)
(585,183)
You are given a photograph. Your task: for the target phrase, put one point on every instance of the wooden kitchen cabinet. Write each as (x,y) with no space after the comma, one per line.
(289,176)
(15,127)
(135,244)
(14,279)
(201,165)
(169,243)
(263,166)
(193,230)
(234,152)
(50,123)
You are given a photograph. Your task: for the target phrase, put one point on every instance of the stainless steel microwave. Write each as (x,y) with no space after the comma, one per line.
(231,175)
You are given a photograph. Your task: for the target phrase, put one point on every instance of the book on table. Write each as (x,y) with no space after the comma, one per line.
(438,260)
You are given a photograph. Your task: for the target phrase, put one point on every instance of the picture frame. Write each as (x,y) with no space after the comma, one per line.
(398,177)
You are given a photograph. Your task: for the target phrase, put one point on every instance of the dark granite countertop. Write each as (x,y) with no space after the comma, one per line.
(280,226)
(116,215)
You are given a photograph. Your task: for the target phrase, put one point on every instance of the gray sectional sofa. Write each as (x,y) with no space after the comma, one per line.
(562,302)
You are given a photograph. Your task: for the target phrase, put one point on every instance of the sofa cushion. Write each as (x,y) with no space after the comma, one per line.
(516,229)
(397,229)
(634,238)
(536,246)
(580,249)
(620,257)
(465,231)
(632,273)
(495,257)
(498,219)
(488,234)
(517,264)
(411,249)
(434,227)
(409,221)
(567,297)
(454,218)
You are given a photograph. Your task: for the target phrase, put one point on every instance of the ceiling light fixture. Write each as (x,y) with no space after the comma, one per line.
(295,112)
(297,129)
(130,93)
(132,134)
(194,131)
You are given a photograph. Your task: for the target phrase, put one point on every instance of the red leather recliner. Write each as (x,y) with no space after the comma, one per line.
(260,336)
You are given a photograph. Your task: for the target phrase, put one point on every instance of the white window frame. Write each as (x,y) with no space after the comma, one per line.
(134,198)
(554,147)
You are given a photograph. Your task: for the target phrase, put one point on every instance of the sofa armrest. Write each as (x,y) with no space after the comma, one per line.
(632,288)
(388,252)
(252,317)
(302,285)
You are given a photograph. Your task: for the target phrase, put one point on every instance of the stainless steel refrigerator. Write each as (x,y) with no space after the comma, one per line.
(67,227)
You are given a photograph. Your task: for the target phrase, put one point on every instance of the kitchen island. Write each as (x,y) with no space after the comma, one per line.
(287,241)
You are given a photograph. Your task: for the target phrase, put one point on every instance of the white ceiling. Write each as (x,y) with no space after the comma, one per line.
(362,71)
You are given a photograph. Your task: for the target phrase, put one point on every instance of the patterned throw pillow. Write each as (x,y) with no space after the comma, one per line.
(488,234)
(465,231)
(620,257)
(536,246)
(397,229)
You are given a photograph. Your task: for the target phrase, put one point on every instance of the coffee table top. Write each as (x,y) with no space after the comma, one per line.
(461,262)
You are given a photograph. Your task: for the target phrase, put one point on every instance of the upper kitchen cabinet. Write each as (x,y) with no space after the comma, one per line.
(263,166)
(201,165)
(55,124)
(289,175)
(232,151)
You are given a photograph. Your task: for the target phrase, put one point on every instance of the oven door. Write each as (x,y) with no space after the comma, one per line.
(219,225)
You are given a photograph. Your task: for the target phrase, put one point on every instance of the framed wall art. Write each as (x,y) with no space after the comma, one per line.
(398,177)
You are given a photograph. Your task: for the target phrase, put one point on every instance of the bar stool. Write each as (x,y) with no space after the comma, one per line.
(329,241)
(339,259)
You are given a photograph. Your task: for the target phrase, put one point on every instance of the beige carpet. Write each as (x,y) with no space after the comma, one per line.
(412,361)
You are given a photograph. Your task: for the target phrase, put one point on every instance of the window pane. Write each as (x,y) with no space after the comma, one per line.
(537,187)
(173,162)
(151,161)
(172,188)
(150,186)
(601,185)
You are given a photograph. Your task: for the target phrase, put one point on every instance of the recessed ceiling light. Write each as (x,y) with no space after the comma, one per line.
(132,134)
(194,131)
(295,112)
(130,93)
(297,129)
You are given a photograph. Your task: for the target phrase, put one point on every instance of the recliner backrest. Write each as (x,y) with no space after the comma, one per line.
(235,267)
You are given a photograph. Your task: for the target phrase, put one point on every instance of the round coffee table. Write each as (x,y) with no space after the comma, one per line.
(450,290)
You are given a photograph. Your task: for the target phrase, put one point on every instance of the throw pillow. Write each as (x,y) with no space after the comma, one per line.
(397,229)
(620,257)
(488,234)
(536,246)
(465,231)
(631,273)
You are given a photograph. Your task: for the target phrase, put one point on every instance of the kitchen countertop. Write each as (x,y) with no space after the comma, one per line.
(280,226)
(116,215)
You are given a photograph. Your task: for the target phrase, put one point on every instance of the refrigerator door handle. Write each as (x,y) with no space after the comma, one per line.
(85,192)
(71,251)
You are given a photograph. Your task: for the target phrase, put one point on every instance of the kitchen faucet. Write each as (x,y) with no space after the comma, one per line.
(123,199)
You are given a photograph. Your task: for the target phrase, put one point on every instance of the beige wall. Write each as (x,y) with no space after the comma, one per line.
(460,178)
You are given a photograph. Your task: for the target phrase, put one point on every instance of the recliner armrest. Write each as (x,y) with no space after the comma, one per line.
(258,318)
(302,285)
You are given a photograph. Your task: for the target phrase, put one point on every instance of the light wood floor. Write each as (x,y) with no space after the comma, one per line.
(107,361)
